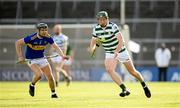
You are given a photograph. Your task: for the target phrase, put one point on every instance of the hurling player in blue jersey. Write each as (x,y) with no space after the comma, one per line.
(36,44)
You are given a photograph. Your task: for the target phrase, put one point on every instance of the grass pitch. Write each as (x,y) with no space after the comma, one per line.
(89,95)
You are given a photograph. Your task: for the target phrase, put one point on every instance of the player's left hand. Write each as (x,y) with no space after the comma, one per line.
(65,57)
(21,60)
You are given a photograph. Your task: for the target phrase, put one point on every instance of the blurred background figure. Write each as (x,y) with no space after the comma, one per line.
(57,62)
(162,57)
(68,63)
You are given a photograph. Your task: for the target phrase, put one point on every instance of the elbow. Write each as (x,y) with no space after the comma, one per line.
(17,43)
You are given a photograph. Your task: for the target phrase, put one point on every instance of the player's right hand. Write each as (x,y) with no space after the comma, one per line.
(21,60)
(91,51)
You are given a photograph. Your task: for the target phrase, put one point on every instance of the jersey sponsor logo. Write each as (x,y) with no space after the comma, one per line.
(45,42)
(36,47)
(35,43)
(33,37)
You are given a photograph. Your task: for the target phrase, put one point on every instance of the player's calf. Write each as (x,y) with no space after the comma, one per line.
(56,83)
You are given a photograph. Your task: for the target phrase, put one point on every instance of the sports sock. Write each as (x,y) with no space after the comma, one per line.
(123,87)
(53,92)
(32,84)
(143,84)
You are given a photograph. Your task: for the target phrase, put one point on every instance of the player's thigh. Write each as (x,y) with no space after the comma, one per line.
(110,63)
(129,66)
(66,67)
(36,69)
(47,70)
(57,61)
(55,66)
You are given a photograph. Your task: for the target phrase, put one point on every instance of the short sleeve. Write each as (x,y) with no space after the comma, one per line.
(94,33)
(50,40)
(115,29)
(27,39)
(66,40)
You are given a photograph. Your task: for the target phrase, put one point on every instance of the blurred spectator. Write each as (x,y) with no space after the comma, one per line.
(68,63)
(162,57)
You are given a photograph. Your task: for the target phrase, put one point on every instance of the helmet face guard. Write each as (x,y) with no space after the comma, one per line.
(102,14)
(41,25)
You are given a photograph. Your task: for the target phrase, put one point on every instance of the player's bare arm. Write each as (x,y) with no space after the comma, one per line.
(51,50)
(19,43)
(60,52)
(92,46)
(120,44)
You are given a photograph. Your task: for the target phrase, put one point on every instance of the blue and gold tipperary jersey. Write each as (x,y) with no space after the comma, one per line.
(35,46)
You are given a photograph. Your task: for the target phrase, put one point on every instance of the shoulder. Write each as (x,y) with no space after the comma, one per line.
(65,36)
(158,50)
(167,50)
(62,36)
(96,26)
(48,37)
(32,36)
(114,26)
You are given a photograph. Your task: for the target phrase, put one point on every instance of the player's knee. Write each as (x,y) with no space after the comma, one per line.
(134,72)
(57,69)
(39,77)
(110,70)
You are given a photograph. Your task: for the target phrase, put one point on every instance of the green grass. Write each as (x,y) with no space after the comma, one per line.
(89,95)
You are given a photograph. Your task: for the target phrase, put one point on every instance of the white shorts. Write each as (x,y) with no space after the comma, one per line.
(57,59)
(42,62)
(122,56)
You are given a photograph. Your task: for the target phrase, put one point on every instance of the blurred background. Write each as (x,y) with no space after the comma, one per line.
(147,23)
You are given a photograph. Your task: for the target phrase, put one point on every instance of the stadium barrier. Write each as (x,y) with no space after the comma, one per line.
(95,74)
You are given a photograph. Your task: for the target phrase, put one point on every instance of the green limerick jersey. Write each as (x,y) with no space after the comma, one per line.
(107,36)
